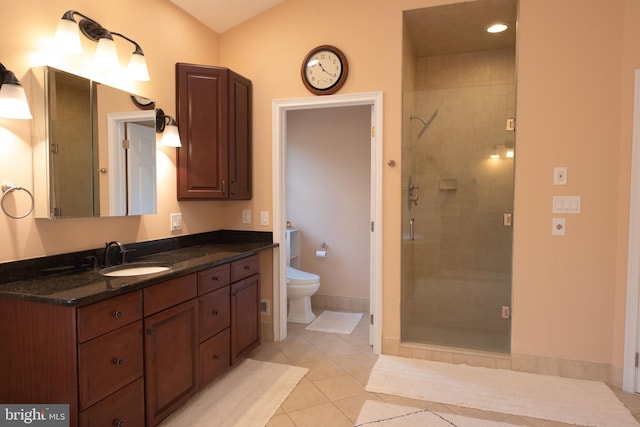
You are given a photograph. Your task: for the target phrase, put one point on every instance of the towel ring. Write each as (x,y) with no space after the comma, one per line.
(10,188)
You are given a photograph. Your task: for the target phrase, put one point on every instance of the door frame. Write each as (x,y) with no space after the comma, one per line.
(631,330)
(280,107)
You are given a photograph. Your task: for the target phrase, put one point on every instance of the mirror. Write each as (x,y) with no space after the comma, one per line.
(93,148)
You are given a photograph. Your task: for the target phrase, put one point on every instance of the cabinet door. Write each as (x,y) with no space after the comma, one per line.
(240,161)
(170,359)
(202,115)
(245,317)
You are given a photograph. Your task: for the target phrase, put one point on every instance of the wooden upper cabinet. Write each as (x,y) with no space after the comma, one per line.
(214,117)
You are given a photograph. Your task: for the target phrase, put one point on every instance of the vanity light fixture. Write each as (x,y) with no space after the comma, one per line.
(13,100)
(67,39)
(169,128)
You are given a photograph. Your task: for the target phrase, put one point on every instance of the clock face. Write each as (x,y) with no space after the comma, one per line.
(324,70)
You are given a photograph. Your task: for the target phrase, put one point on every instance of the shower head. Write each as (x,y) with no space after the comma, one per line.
(425,123)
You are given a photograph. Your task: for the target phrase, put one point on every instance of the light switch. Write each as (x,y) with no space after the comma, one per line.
(567,204)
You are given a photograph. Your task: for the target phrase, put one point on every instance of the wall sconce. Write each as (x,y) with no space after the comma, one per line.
(169,128)
(67,39)
(13,100)
(509,153)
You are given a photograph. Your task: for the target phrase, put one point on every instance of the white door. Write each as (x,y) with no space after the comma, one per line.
(141,170)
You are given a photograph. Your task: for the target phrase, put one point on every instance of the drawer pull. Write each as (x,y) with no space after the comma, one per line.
(215,279)
(118,423)
(117,314)
(217,357)
(151,331)
(118,361)
(215,312)
(247,267)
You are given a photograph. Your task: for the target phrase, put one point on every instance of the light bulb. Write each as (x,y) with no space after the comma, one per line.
(13,102)
(67,37)
(171,136)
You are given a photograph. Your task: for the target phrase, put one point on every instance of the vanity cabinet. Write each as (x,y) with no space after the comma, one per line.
(214,113)
(170,345)
(245,307)
(132,359)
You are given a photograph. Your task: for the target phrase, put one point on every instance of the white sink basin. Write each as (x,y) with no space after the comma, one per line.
(134,269)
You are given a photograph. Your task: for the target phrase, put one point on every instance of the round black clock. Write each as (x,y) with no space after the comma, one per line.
(324,70)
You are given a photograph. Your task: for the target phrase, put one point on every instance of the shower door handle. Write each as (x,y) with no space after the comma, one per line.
(411,235)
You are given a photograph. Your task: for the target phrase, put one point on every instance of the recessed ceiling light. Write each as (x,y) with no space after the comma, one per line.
(496,28)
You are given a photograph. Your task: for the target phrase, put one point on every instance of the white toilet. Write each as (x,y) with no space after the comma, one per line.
(300,284)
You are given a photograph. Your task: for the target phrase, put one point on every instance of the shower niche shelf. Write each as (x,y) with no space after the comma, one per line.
(448,184)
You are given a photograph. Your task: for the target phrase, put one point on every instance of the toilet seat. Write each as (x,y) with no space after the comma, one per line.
(297,277)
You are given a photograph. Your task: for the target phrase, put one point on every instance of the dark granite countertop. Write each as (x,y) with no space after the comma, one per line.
(84,285)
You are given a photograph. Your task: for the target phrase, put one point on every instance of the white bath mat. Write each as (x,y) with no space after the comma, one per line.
(587,403)
(335,322)
(247,395)
(377,414)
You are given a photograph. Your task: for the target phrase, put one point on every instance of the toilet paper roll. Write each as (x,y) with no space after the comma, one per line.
(321,254)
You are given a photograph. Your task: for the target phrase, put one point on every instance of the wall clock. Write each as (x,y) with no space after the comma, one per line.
(324,70)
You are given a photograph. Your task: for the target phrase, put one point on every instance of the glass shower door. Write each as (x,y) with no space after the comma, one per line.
(458,166)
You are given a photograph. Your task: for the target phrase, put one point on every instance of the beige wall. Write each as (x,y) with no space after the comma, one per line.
(575,88)
(328,194)
(575,82)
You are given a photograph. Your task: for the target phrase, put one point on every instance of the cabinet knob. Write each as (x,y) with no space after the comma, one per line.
(118,361)
(215,278)
(215,312)
(117,314)
(247,267)
(151,331)
(118,423)
(216,357)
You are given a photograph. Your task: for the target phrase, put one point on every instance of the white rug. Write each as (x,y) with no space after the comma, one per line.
(247,395)
(335,322)
(388,415)
(571,401)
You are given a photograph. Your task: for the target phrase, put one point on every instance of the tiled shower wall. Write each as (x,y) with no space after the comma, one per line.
(457,270)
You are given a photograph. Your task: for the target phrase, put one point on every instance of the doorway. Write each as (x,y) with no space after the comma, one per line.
(281,108)
(458,168)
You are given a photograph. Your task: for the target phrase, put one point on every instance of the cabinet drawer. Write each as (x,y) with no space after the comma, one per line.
(244,268)
(215,357)
(215,312)
(109,362)
(213,278)
(169,293)
(104,316)
(126,408)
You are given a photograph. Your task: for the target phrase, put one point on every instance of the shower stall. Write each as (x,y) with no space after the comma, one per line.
(457,177)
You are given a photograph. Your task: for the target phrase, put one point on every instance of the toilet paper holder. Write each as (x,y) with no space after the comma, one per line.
(323,251)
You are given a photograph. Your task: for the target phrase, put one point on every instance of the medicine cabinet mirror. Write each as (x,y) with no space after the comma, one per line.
(93,148)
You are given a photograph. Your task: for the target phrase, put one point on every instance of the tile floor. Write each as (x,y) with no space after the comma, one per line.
(332,392)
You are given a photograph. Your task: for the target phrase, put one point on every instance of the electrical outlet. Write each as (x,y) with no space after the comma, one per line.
(175,221)
(264,218)
(560,175)
(246,216)
(559,227)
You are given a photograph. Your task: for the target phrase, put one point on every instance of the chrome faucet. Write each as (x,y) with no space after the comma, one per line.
(123,251)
